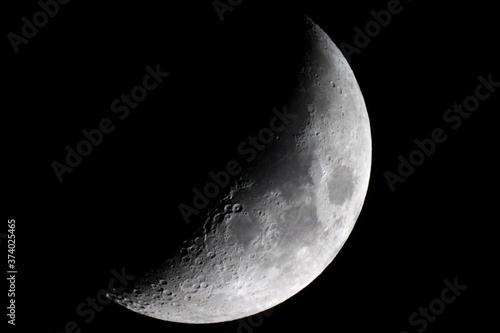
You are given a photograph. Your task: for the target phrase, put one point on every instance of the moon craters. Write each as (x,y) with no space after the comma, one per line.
(285,218)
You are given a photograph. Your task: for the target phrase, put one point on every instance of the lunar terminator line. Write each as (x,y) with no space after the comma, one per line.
(288,215)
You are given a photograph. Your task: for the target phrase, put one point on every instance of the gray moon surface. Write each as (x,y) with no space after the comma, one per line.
(288,215)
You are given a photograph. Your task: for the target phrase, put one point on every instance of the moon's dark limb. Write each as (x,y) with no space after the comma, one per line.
(286,218)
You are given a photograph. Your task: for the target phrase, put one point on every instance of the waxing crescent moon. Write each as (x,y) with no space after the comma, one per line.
(284,221)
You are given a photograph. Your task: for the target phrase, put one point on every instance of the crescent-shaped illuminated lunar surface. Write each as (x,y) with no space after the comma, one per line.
(288,215)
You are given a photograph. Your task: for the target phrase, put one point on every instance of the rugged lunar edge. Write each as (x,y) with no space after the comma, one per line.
(283,222)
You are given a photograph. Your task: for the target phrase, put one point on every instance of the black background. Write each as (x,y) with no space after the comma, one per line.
(119,207)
